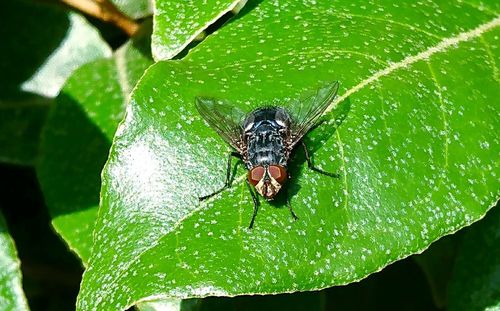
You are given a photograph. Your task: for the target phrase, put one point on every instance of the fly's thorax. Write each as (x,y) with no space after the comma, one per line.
(266,134)
(267,179)
(278,116)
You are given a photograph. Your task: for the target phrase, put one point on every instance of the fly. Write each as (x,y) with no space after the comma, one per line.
(265,138)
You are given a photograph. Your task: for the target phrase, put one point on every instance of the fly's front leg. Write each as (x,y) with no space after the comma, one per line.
(255,204)
(291,210)
(227,184)
(311,165)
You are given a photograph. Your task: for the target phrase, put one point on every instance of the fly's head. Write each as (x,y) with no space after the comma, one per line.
(267,179)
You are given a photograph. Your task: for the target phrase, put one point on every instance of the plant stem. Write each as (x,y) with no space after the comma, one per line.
(105,11)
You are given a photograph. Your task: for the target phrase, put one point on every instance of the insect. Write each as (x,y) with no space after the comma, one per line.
(265,138)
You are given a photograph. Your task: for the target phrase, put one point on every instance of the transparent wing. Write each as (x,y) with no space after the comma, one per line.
(307,111)
(225,118)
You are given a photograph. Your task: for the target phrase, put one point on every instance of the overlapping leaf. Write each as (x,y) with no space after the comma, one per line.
(135,8)
(417,152)
(11,290)
(78,135)
(177,23)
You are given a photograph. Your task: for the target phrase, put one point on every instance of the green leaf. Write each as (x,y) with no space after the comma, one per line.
(42,46)
(135,8)
(177,23)
(417,153)
(475,284)
(78,135)
(11,290)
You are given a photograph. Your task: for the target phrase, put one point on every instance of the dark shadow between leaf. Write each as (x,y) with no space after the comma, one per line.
(74,151)
(21,122)
(50,274)
(290,302)
(142,39)
(247,8)
(219,23)
(225,19)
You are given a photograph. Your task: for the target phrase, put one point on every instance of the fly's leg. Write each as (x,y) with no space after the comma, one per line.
(227,184)
(288,204)
(290,209)
(255,204)
(311,165)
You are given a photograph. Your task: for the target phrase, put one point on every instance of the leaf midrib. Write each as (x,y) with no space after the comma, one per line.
(442,46)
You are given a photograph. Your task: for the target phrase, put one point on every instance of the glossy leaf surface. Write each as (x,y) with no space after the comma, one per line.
(416,150)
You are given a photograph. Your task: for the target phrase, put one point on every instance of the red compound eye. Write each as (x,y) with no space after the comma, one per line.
(278,172)
(256,174)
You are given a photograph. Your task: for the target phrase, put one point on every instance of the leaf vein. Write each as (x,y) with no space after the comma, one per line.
(443,113)
(480,9)
(496,73)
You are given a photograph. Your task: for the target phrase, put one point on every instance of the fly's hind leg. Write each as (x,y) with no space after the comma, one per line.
(312,167)
(227,184)
(255,204)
